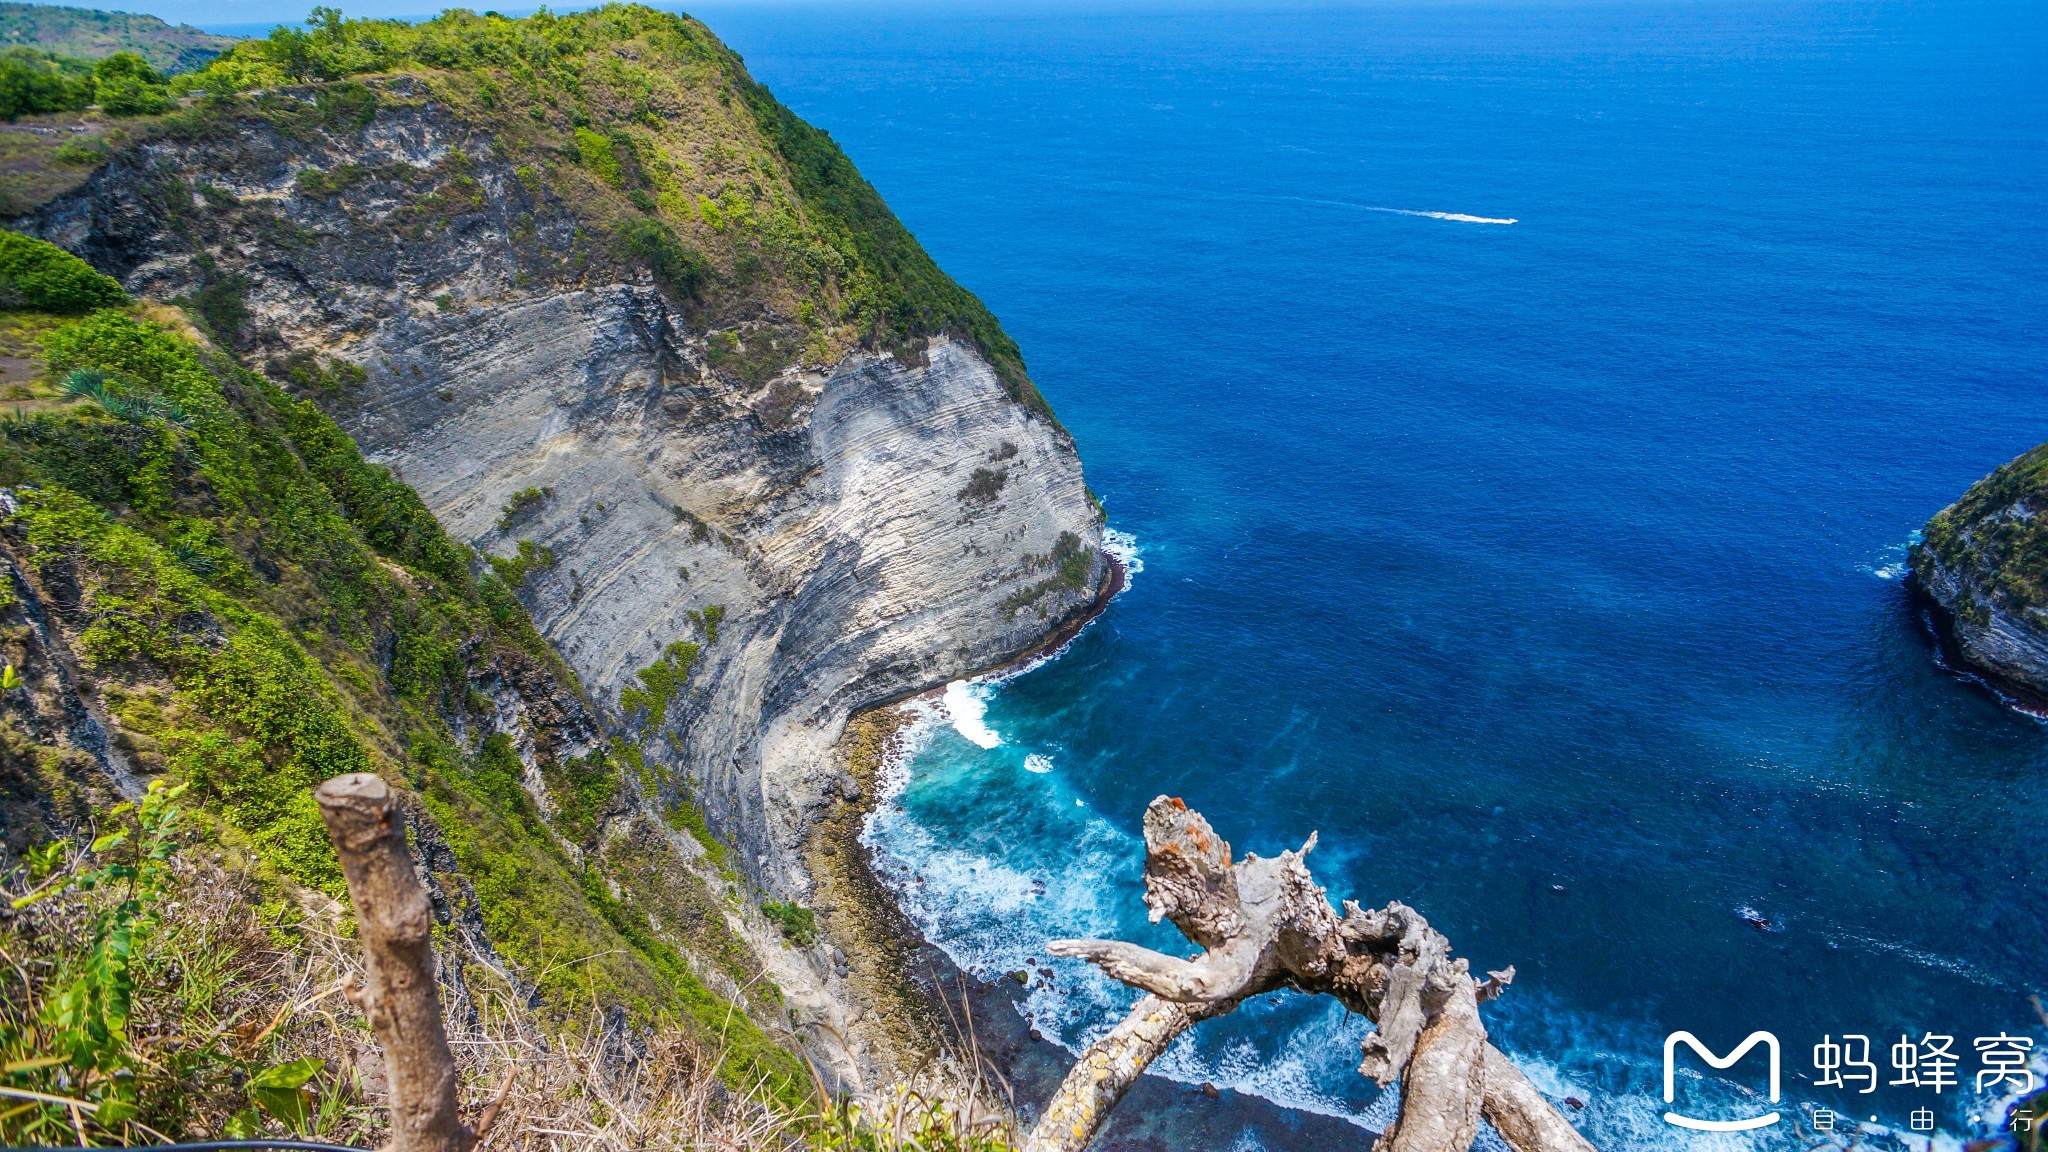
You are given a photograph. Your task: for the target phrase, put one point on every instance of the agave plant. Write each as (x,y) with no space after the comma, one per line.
(134,405)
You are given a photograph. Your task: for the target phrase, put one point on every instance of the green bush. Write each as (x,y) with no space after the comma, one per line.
(522,501)
(125,85)
(44,277)
(797,922)
(652,243)
(664,679)
(597,155)
(32,81)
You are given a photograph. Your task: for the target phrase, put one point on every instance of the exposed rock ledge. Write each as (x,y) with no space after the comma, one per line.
(828,513)
(1984,562)
(850,567)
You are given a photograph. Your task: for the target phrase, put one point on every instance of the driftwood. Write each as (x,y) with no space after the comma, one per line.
(397,923)
(1264,924)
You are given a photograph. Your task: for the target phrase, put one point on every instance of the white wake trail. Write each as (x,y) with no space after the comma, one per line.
(1460,217)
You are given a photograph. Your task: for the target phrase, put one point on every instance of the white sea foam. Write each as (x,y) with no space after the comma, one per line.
(1038,762)
(967,706)
(1893,563)
(1125,548)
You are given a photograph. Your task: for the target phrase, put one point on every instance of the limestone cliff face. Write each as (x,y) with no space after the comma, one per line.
(1985,562)
(869,527)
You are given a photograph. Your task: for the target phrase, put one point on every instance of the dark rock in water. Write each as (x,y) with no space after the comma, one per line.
(1210,1090)
(1574,1102)
(1037,1037)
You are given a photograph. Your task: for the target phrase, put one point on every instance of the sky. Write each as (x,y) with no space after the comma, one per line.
(254,17)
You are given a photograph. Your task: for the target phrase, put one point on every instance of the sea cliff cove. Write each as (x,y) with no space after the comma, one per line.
(814,577)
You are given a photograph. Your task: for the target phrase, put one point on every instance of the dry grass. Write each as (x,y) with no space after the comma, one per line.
(228,988)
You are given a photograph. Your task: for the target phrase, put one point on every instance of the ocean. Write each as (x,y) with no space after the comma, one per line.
(1517,416)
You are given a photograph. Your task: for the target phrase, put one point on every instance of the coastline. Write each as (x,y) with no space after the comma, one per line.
(1939,622)
(890,975)
(919,1013)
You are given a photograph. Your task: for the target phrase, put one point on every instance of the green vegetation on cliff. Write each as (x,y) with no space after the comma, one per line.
(675,158)
(123,84)
(256,609)
(1995,540)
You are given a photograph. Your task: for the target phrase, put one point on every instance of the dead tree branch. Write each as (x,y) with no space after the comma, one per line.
(1265,924)
(397,924)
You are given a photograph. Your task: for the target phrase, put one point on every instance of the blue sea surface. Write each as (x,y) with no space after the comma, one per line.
(1550,570)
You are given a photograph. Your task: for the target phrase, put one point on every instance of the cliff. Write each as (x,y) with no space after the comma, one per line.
(661,375)
(461,302)
(1984,561)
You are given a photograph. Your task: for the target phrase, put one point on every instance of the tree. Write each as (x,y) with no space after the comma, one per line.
(1264,925)
(124,84)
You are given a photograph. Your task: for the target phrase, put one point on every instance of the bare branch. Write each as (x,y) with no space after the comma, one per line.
(1220,974)
(1108,1069)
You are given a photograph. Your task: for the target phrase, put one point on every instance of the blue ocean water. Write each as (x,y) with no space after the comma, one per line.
(1550,570)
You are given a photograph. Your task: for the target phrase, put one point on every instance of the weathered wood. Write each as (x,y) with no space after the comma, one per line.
(1108,1069)
(1265,924)
(396,923)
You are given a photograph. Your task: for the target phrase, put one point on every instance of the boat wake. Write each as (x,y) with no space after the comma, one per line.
(1457,217)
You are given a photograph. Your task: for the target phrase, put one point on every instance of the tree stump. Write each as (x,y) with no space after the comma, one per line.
(396,923)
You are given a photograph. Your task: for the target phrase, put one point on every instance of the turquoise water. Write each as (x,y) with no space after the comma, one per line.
(1550,570)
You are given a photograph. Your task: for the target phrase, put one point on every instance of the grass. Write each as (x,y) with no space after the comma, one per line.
(139,1026)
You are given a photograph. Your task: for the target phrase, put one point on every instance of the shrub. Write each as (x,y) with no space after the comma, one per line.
(522,501)
(86,153)
(596,152)
(650,242)
(32,82)
(531,558)
(983,485)
(125,85)
(44,277)
(663,680)
(797,922)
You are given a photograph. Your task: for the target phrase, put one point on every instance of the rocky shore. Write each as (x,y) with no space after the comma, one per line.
(913,1009)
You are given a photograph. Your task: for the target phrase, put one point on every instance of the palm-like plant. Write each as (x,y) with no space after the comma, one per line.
(134,405)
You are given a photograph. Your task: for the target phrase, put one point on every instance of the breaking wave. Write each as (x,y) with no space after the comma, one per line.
(1124,547)
(966,705)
